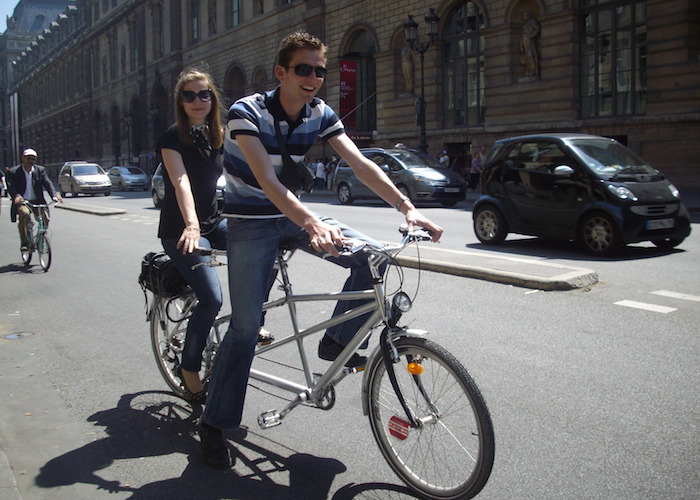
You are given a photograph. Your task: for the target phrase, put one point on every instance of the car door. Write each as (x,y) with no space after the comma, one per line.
(545,203)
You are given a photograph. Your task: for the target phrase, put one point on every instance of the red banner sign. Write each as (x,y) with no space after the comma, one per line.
(348,92)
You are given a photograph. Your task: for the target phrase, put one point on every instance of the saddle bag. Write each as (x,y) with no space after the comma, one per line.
(160,276)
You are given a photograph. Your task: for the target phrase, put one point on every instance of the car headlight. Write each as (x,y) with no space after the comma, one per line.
(78,180)
(622,192)
(674,191)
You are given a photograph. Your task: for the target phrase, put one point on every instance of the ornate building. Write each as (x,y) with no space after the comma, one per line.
(98,83)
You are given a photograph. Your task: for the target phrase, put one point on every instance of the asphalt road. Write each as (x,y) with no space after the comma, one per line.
(590,397)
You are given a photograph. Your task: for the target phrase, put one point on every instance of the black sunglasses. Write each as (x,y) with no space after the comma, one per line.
(189,95)
(306,69)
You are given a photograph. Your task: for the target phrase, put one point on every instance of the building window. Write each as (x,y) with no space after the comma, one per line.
(158,32)
(134,42)
(613,58)
(463,60)
(194,21)
(233,13)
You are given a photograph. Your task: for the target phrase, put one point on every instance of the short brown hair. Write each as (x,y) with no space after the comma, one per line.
(296,41)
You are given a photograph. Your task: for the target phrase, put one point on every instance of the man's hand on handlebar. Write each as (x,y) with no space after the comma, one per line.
(415,218)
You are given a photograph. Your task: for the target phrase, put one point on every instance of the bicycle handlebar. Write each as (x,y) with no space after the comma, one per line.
(38,205)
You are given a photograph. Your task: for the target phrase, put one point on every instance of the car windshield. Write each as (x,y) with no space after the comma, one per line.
(415,159)
(87,170)
(134,171)
(611,159)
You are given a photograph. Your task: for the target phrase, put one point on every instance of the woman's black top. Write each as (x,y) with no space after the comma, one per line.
(203,168)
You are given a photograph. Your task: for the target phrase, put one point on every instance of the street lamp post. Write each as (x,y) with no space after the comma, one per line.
(411,32)
(127,124)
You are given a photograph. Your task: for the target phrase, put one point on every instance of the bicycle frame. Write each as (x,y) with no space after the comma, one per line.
(316,389)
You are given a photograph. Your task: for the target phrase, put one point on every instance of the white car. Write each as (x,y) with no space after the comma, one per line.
(83,178)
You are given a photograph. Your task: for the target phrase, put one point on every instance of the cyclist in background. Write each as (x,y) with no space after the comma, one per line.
(27,181)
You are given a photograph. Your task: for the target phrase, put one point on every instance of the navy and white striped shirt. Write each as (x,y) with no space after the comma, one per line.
(255,115)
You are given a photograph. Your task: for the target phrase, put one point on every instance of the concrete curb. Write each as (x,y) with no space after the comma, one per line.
(91,209)
(527,273)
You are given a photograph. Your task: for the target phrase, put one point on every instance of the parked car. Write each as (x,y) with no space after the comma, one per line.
(128,177)
(415,174)
(83,178)
(585,188)
(158,188)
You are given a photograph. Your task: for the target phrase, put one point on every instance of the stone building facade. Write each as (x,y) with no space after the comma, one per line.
(98,85)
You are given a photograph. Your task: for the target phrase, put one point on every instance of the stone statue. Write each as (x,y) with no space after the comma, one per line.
(408,67)
(528,45)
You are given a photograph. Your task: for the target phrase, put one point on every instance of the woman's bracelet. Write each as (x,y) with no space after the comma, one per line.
(192,228)
(400,202)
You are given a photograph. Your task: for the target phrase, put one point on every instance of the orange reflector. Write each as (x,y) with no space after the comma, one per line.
(415,368)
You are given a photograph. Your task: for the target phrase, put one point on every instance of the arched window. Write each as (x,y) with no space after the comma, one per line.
(463,59)
(259,80)
(613,58)
(234,85)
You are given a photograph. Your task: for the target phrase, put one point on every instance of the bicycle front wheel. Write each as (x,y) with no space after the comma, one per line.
(44,251)
(449,455)
(168,319)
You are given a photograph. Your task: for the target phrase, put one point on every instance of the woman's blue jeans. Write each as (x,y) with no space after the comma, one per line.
(205,283)
(252,246)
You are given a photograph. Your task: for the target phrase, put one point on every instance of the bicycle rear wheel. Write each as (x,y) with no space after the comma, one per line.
(44,251)
(168,319)
(450,454)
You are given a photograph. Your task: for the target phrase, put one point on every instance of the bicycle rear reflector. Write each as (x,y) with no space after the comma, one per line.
(398,428)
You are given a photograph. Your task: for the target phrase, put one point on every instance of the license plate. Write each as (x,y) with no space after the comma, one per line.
(452,190)
(659,224)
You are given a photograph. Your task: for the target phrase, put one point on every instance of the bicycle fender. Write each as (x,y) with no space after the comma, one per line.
(377,352)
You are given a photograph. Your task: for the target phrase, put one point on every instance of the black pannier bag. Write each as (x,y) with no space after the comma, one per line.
(160,276)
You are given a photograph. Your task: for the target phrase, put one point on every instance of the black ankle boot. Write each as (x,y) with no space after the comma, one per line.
(214,449)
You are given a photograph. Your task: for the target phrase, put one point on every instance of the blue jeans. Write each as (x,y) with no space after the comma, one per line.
(252,246)
(205,283)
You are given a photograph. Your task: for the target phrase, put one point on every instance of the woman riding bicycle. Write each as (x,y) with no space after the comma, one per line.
(192,156)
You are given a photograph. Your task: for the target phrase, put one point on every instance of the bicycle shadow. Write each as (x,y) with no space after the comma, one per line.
(20,268)
(158,423)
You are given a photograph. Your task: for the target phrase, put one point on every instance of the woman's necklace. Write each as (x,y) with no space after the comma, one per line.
(199,138)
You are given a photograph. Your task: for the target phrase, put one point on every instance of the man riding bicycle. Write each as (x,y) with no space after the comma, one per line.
(27,181)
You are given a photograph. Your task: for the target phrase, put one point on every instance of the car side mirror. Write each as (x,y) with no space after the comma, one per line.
(563,171)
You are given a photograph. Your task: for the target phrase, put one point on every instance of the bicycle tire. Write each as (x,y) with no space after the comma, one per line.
(450,454)
(44,251)
(168,320)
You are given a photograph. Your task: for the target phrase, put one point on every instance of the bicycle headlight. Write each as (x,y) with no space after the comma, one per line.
(402,302)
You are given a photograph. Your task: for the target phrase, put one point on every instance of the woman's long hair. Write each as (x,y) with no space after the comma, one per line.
(216,133)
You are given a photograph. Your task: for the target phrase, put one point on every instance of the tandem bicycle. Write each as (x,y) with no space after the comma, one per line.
(426,413)
(39,240)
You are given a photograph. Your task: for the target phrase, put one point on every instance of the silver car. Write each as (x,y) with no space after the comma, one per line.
(83,178)
(416,174)
(158,188)
(128,177)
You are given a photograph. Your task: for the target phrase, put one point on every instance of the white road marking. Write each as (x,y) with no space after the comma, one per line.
(676,295)
(645,306)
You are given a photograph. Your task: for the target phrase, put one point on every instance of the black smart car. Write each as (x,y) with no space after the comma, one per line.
(585,188)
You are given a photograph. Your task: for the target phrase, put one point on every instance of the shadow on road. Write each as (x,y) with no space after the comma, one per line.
(158,423)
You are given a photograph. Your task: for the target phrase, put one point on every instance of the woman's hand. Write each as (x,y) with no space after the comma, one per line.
(189,240)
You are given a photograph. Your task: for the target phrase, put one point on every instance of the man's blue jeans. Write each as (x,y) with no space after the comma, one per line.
(252,246)
(205,283)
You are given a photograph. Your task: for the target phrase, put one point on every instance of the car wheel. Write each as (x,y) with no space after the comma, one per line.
(107,193)
(157,202)
(598,234)
(490,225)
(73,192)
(344,194)
(667,242)
(63,193)
(404,191)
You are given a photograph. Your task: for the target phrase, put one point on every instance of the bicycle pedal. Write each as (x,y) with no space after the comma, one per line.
(269,419)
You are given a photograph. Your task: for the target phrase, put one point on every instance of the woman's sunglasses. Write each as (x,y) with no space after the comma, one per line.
(306,69)
(189,95)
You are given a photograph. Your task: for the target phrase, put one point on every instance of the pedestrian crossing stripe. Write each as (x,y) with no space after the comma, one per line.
(645,306)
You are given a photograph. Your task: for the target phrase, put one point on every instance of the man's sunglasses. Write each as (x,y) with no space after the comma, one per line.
(189,95)
(306,69)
